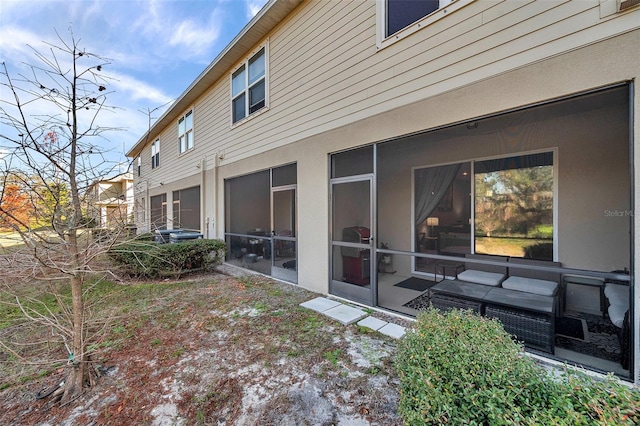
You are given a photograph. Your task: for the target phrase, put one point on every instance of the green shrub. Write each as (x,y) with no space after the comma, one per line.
(458,368)
(144,258)
(147,236)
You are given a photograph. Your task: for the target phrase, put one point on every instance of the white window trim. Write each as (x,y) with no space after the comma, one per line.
(193,125)
(245,62)
(472,161)
(383,41)
(155,150)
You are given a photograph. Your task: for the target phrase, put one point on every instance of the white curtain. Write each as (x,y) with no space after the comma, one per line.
(430,185)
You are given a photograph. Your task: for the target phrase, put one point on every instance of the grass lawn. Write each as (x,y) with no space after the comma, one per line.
(505,246)
(206,349)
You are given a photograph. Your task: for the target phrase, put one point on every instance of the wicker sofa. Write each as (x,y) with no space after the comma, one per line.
(525,301)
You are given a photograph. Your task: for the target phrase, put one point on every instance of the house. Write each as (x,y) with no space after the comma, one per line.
(441,129)
(110,201)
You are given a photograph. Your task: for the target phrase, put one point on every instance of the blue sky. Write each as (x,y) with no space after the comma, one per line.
(156,47)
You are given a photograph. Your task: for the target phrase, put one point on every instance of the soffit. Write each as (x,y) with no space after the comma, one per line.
(255,31)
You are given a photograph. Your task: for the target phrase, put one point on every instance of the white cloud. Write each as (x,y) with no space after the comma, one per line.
(178,30)
(254,6)
(14,41)
(196,39)
(137,90)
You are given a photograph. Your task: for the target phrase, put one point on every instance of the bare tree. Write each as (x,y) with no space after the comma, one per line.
(53,146)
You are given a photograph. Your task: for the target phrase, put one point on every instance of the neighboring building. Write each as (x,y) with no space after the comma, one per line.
(110,201)
(328,128)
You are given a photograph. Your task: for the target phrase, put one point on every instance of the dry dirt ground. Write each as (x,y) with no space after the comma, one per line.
(220,350)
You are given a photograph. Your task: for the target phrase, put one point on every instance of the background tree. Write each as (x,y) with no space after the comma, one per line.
(489,205)
(530,194)
(51,137)
(16,202)
(514,202)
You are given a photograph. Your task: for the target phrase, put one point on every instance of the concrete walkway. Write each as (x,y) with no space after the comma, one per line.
(346,315)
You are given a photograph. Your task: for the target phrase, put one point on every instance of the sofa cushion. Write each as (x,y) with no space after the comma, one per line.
(531,285)
(617,294)
(618,297)
(481,277)
(616,314)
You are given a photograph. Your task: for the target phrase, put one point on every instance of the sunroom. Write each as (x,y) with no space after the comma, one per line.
(523,215)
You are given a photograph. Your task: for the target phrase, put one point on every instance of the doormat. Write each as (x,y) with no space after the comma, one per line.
(573,328)
(414,283)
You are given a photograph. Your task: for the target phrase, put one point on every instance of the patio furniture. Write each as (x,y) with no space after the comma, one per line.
(618,298)
(449,294)
(526,301)
(530,317)
(443,265)
(578,280)
(477,273)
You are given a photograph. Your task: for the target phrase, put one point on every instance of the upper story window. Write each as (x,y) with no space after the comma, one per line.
(139,165)
(185,132)
(402,13)
(249,87)
(155,154)
(399,18)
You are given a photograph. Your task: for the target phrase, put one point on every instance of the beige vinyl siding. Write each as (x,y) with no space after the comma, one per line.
(325,71)
(173,165)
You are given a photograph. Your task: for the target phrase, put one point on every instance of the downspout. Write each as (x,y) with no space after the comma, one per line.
(216,163)
(203,199)
(147,208)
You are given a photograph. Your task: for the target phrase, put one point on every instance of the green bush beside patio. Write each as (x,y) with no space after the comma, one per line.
(144,258)
(459,368)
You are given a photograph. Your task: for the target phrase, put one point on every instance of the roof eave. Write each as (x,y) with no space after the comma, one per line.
(257,29)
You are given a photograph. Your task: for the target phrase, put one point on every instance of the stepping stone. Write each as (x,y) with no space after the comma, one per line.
(393,330)
(372,323)
(345,314)
(320,304)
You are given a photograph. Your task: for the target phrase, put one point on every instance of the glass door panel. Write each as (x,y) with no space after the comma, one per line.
(352,240)
(284,259)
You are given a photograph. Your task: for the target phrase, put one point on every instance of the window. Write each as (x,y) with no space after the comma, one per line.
(185,132)
(514,206)
(248,87)
(155,154)
(402,13)
(139,161)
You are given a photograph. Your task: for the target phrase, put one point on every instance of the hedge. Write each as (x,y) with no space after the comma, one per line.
(459,368)
(143,258)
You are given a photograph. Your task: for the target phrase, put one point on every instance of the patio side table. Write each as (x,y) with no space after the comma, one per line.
(584,281)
